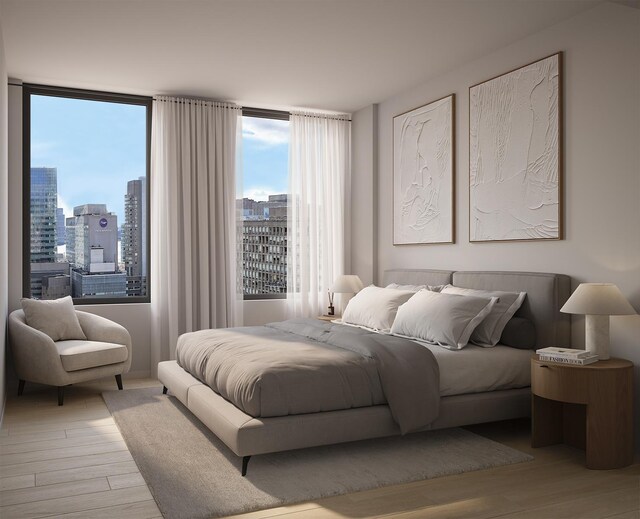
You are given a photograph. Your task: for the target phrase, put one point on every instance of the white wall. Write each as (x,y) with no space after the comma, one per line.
(601,158)
(4,225)
(364,179)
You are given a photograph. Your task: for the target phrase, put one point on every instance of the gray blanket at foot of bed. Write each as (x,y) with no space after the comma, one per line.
(306,366)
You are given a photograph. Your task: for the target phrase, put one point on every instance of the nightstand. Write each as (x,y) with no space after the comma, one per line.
(328,318)
(589,407)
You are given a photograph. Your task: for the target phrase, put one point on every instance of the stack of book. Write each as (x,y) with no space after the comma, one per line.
(567,356)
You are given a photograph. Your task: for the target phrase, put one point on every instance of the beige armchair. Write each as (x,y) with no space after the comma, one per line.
(37,358)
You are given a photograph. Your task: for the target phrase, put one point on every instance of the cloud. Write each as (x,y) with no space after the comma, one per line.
(39,148)
(66,209)
(269,132)
(259,193)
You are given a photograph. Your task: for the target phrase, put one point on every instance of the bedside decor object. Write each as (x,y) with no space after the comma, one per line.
(423,174)
(344,284)
(597,301)
(515,162)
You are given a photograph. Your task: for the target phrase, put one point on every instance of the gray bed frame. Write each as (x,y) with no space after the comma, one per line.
(247,436)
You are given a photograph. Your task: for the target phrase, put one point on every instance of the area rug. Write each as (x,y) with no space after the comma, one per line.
(193,475)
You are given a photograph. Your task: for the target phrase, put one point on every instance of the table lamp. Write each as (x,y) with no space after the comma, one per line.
(345,284)
(597,301)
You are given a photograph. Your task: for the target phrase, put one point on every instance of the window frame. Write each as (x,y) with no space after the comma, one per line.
(29,89)
(279,115)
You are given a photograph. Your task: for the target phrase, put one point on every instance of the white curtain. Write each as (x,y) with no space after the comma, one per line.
(194,221)
(319,184)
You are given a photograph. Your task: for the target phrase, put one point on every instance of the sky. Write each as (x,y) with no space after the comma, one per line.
(97,147)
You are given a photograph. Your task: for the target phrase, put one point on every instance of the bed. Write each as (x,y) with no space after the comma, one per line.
(464,400)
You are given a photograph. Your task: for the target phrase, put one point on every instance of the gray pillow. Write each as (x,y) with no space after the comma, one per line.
(57,318)
(488,332)
(519,333)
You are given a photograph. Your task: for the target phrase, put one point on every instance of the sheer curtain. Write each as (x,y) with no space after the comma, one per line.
(319,184)
(194,221)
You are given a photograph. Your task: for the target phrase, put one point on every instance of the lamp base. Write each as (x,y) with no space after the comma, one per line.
(597,335)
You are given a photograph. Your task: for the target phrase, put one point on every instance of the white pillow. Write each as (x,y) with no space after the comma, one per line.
(374,307)
(444,319)
(488,333)
(57,318)
(416,288)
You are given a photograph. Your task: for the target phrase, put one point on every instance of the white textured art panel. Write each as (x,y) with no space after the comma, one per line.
(423,174)
(514,155)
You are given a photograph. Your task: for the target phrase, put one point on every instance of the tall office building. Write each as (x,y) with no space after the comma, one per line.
(49,279)
(44,199)
(61,234)
(92,249)
(134,237)
(264,246)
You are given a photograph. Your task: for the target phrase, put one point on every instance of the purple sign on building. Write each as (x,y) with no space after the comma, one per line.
(103,222)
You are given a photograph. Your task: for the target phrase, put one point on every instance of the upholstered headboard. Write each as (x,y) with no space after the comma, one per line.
(417,277)
(546,293)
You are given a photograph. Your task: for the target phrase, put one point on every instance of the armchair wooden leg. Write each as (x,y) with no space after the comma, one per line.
(20,387)
(164,390)
(60,395)
(119,381)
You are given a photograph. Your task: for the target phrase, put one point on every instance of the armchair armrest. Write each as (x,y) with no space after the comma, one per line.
(101,329)
(34,353)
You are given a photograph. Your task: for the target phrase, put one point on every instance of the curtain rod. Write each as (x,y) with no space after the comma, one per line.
(252,111)
(337,117)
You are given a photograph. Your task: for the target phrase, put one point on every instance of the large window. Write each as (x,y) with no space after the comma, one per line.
(265,158)
(86,210)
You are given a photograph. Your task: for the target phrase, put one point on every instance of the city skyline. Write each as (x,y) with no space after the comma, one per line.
(97,147)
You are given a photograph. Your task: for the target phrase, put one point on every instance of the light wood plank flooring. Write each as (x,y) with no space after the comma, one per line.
(68,461)
(72,462)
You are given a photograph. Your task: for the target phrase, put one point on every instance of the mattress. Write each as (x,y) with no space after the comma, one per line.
(474,369)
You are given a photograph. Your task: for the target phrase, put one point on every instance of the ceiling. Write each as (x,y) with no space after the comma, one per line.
(338,55)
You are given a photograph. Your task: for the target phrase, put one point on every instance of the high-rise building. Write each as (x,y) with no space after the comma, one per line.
(92,250)
(264,246)
(61,234)
(49,277)
(44,199)
(50,280)
(134,237)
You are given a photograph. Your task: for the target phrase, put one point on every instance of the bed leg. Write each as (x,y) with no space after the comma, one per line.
(245,462)
(164,390)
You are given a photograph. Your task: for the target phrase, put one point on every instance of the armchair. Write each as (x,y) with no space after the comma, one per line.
(37,358)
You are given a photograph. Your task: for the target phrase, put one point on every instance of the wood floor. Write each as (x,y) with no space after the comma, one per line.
(72,462)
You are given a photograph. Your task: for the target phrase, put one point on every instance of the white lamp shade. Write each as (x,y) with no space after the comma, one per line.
(347,284)
(597,299)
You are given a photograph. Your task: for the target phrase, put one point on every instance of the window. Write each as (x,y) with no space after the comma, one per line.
(86,211)
(265,160)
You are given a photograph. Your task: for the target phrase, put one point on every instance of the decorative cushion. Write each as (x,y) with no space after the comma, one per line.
(488,332)
(57,318)
(374,307)
(76,355)
(519,333)
(444,319)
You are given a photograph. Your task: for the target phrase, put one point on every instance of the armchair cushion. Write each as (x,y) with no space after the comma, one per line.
(57,318)
(76,355)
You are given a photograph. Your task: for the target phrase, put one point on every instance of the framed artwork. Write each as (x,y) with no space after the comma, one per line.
(423,174)
(515,154)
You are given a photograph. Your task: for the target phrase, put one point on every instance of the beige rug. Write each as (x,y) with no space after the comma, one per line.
(192,474)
